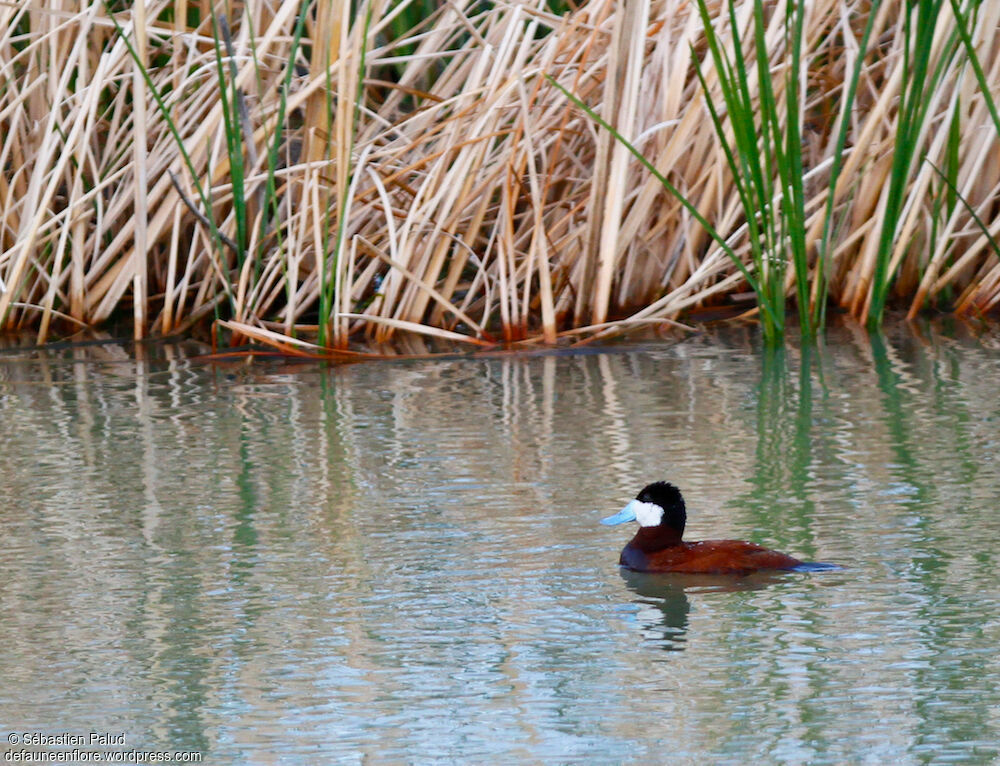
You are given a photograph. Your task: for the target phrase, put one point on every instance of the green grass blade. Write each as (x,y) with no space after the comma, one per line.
(182,148)
(823,256)
(666,185)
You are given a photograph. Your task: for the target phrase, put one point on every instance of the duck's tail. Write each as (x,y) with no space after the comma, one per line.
(815,566)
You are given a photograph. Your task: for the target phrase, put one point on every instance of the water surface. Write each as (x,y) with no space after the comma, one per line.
(400,562)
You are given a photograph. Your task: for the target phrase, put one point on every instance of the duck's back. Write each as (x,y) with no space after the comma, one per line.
(707,557)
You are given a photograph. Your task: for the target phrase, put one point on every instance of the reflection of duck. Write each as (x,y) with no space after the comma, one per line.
(667,596)
(657,546)
(667,593)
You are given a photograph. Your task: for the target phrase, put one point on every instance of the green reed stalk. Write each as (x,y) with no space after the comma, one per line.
(328,282)
(820,285)
(950,172)
(671,189)
(403,23)
(326,256)
(764,155)
(951,157)
(963,24)
(948,180)
(271,215)
(233,129)
(791,177)
(920,81)
(203,195)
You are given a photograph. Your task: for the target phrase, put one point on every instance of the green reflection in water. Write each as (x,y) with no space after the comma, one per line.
(781,500)
(403,560)
(244,532)
(949,625)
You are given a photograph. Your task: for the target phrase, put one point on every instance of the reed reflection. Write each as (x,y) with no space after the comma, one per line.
(365,552)
(782,498)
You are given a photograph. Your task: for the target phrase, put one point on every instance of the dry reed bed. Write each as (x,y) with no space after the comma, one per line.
(466,197)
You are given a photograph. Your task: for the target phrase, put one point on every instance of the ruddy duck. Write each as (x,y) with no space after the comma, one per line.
(658,547)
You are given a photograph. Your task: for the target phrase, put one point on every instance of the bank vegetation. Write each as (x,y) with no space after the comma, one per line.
(323,174)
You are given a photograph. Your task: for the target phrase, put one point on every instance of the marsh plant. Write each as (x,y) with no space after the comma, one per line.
(312,174)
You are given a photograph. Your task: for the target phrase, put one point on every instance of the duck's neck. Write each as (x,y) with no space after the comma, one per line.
(649,539)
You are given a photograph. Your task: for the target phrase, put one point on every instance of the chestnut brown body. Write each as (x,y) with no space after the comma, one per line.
(657,549)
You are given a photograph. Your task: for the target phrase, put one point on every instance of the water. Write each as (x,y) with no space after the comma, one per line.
(401,562)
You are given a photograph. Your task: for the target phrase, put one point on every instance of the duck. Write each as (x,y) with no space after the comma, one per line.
(658,545)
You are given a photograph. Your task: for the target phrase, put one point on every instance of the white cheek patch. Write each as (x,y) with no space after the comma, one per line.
(647,514)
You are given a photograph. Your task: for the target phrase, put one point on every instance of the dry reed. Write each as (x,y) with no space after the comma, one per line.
(331,182)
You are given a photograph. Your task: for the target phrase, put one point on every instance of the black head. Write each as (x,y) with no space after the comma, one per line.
(668,497)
